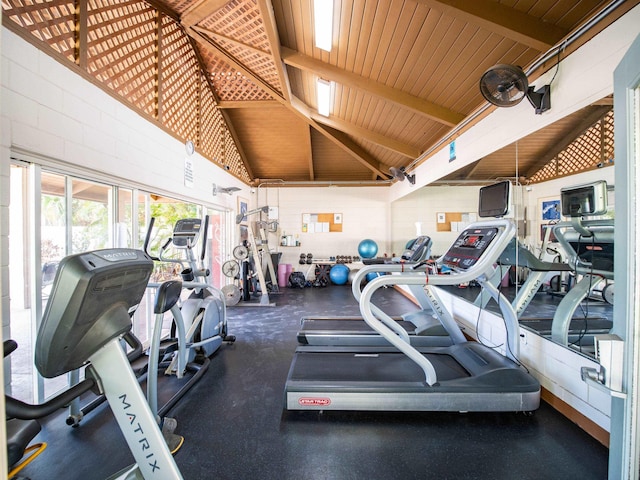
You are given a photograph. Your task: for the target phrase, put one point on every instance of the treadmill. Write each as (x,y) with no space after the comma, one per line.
(589,245)
(423,328)
(466,376)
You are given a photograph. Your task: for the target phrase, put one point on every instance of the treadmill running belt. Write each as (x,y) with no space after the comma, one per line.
(371,367)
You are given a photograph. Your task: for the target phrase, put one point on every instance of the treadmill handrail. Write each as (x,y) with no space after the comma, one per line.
(596,227)
(483,267)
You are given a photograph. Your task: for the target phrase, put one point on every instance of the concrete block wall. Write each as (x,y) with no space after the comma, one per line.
(365,214)
(50,110)
(422,206)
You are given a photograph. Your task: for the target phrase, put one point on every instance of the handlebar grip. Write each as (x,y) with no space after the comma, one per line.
(203,234)
(147,239)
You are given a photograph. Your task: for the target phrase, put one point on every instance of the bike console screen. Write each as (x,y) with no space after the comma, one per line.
(186,231)
(469,247)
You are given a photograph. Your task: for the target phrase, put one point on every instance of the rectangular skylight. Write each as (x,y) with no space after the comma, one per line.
(323,23)
(323,91)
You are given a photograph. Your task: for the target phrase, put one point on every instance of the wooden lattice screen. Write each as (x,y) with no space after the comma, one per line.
(593,149)
(143,57)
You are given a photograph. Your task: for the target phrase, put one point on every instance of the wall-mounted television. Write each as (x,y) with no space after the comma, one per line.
(583,200)
(495,199)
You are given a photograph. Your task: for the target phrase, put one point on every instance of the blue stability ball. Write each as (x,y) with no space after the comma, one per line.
(373,275)
(367,248)
(339,274)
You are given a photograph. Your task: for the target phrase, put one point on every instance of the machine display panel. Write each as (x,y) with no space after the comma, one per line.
(469,247)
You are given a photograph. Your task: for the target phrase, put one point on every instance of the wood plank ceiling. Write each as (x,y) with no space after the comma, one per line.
(404,75)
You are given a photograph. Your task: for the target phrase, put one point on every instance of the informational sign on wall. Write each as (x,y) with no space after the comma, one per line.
(188,172)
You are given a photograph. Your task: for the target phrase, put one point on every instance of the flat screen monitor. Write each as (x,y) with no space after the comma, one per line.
(494,200)
(583,200)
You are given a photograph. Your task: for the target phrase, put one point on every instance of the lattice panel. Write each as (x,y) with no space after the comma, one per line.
(241,22)
(121,50)
(230,84)
(52,22)
(213,133)
(145,58)
(593,149)
(210,141)
(180,83)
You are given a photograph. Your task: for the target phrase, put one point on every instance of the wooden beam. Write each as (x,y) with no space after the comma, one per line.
(380,140)
(352,80)
(230,104)
(295,104)
(233,41)
(234,137)
(309,145)
(201,10)
(220,52)
(339,139)
(506,21)
(271,29)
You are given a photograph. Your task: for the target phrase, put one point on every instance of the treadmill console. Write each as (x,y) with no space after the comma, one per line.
(419,248)
(469,247)
(186,231)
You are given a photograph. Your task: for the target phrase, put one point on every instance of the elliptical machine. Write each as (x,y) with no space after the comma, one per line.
(93,297)
(199,324)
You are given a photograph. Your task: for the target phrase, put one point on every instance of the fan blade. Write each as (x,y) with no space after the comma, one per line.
(504,85)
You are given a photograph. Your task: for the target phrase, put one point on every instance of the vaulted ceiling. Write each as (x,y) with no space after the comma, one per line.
(239,77)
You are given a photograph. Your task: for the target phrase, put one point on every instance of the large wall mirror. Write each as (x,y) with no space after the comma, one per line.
(541,276)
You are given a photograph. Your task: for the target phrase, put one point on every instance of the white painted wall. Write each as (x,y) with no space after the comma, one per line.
(51,111)
(365,214)
(422,206)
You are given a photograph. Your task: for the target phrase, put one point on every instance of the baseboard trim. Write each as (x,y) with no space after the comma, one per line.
(588,425)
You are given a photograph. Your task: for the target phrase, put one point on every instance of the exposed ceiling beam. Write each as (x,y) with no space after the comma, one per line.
(229,104)
(271,30)
(225,38)
(503,20)
(381,140)
(352,80)
(309,145)
(343,142)
(367,160)
(586,122)
(220,52)
(201,10)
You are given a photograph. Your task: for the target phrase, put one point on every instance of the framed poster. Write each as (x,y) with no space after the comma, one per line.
(243,207)
(550,210)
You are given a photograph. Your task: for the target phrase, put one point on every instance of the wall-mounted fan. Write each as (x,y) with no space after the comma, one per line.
(400,174)
(506,85)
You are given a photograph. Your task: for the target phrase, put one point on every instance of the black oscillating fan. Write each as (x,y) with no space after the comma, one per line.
(506,85)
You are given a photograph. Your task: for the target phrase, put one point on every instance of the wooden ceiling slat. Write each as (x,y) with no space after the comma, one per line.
(507,22)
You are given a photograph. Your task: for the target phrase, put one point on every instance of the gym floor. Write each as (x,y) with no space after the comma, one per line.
(235,426)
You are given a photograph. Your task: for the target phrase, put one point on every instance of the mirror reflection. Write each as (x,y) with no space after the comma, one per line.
(558,270)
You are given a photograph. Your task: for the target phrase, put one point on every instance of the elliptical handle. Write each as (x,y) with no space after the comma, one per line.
(147,239)
(203,235)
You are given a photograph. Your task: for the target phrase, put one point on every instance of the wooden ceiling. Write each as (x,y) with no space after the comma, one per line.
(405,74)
